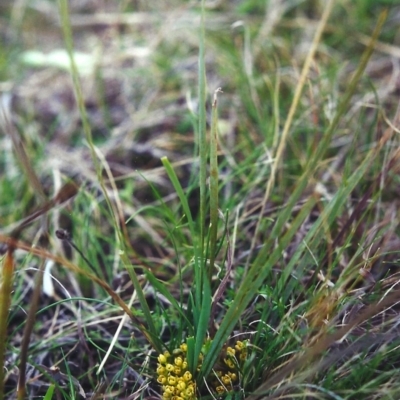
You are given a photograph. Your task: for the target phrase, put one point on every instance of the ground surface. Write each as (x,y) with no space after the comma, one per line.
(321,221)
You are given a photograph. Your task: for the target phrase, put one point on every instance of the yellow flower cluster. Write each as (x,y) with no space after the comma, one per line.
(178,383)
(226,376)
(173,375)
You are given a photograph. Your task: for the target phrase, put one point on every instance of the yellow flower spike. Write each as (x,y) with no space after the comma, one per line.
(177,382)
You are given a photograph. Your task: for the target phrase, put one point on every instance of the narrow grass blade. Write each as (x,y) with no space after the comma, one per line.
(204,318)
(5,301)
(213,185)
(185,205)
(201,134)
(49,393)
(192,362)
(164,291)
(179,191)
(145,307)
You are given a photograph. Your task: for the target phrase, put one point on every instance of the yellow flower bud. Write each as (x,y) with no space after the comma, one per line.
(169,389)
(162,380)
(187,376)
(230,351)
(183,347)
(220,389)
(166,395)
(178,371)
(189,391)
(178,361)
(172,380)
(233,376)
(229,363)
(169,367)
(181,385)
(161,370)
(162,359)
(239,345)
(226,379)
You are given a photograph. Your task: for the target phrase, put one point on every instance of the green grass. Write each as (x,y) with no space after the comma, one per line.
(268,216)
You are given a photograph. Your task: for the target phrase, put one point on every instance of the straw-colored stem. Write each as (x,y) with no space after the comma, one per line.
(5,302)
(213,184)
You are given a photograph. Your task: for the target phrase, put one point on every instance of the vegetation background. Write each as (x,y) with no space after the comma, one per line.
(284,235)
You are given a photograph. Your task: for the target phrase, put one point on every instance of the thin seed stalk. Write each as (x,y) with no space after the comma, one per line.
(213,184)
